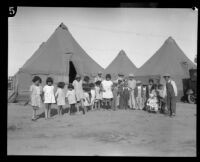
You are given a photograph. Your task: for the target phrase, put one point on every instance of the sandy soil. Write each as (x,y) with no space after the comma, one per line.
(107,133)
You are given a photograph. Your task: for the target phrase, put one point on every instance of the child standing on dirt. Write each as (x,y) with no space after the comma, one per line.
(161,97)
(126,95)
(35,95)
(92,91)
(98,95)
(139,95)
(107,91)
(60,97)
(86,98)
(71,97)
(115,95)
(49,97)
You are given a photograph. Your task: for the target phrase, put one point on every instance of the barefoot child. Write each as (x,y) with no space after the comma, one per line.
(86,98)
(126,95)
(60,97)
(93,95)
(115,95)
(107,91)
(71,97)
(98,95)
(77,83)
(35,95)
(49,97)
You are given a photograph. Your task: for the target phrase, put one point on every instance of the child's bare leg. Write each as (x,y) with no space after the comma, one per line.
(49,110)
(34,113)
(77,106)
(46,110)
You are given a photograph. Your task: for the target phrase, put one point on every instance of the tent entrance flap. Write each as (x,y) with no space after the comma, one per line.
(72,72)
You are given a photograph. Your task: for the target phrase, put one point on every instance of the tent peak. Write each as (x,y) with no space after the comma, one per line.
(63,26)
(122,52)
(170,39)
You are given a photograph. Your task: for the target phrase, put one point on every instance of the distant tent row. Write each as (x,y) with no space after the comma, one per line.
(61,57)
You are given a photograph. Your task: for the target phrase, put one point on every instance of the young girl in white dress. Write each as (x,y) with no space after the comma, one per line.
(98,95)
(49,97)
(60,97)
(107,91)
(93,95)
(35,95)
(71,97)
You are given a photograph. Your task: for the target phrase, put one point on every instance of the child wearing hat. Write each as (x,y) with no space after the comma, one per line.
(171,92)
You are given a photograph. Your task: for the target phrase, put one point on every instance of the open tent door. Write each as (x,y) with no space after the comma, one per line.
(72,72)
(70,68)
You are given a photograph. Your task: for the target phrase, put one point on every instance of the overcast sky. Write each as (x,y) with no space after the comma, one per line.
(102,32)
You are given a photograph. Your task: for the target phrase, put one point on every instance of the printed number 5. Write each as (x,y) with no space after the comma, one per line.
(12,10)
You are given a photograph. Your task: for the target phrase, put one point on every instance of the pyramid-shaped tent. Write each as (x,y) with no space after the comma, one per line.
(120,64)
(60,57)
(168,59)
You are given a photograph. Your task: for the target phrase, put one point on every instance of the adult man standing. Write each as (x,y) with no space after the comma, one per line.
(131,86)
(171,92)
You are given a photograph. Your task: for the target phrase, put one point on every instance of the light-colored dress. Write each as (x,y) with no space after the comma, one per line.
(71,96)
(152,102)
(98,93)
(107,87)
(49,94)
(60,94)
(78,89)
(86,98)
(93,95)
(36,91)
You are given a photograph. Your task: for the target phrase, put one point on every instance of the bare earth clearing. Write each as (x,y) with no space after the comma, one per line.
(113,133)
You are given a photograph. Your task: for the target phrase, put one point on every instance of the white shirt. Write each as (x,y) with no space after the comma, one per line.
(93,95)
(107,87)
(86,101)
(71,96)
(49,94)
(60,94)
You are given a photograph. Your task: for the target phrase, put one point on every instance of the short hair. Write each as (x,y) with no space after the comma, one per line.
(61,85)
(108,76)
(86,79)
(70,86)
(86,87)
(36,78)
(98,82)
(49,79)
(151,80)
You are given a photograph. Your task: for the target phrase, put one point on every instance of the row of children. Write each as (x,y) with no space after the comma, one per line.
(80,95)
